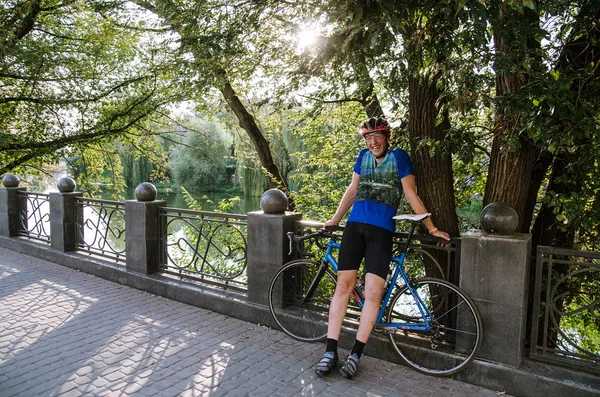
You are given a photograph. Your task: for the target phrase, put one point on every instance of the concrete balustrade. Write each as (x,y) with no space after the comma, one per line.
(64,218)
(9,210)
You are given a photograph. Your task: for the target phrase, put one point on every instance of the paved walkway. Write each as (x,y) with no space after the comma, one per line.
(68,333)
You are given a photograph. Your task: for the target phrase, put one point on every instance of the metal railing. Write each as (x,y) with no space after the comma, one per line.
(101,228)
(205,246)
(566,312)
(34,215)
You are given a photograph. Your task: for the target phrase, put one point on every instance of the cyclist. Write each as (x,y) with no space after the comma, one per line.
(380,176)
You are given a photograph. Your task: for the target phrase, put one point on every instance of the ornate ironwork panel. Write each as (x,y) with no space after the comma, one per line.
(34,215)
(565,325)
(205,246)
(101,228)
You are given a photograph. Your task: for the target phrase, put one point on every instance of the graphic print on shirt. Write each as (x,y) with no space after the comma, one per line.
(380,184)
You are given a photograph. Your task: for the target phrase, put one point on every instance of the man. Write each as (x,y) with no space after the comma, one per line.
(380,176)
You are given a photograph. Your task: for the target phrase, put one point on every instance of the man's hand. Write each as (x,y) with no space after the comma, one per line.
(440,234)
(330,223)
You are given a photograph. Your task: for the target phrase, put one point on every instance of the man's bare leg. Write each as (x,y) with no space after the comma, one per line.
(374,286)
(339,303)
(373,293)
(337,312)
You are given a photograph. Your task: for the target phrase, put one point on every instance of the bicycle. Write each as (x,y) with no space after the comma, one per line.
(432,324)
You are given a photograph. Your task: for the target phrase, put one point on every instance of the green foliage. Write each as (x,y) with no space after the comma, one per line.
(324,169)
(251,175)
(201,159)
(81,75)
(93,80)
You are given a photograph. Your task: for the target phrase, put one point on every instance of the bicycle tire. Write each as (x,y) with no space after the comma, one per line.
(456,335)
(302,319)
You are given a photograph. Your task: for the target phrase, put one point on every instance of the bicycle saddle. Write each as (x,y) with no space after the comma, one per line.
(412,218)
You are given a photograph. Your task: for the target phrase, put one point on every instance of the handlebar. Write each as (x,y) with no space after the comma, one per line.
(296,240)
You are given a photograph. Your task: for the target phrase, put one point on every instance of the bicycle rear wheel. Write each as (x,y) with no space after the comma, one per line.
(456,330)
(299,297)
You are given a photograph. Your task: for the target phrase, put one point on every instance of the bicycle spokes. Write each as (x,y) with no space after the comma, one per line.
(450,337)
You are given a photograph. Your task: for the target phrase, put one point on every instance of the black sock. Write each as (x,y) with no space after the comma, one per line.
(331,345)
(358,348)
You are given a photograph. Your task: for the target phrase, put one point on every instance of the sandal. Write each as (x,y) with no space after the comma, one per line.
(326,364)
(350,366)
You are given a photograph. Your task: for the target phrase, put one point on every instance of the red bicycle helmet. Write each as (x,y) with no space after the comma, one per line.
(375,124)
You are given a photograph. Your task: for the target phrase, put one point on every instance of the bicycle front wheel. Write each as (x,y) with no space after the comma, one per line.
(299,298)
(455,334)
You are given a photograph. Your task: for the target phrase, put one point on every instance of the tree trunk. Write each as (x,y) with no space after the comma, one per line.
(510,173)
(247,122)
(577,54)
(433,172)
(540,168)
(513,153)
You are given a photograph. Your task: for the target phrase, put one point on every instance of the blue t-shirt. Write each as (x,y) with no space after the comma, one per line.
(379,189)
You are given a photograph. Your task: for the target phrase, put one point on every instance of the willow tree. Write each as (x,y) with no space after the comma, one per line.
(225,41)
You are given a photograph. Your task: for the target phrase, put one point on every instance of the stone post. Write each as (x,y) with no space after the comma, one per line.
(268,246)
(64,216)
(143,231)
(9,206)
(494,272)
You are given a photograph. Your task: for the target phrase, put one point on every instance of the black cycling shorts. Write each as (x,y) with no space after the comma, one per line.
(373,243)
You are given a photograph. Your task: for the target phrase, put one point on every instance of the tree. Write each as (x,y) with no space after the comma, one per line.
(213,34)
(73,78)
(201,158)
(513,149)
(570,107)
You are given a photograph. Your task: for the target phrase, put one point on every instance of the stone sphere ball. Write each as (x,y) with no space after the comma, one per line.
(145,191)
(66,185)
(499,218)
(10,180)
(273,201)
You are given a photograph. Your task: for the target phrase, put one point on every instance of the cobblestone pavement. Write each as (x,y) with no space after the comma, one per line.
(68,333)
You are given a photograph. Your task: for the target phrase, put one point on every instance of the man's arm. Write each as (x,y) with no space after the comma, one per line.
(346,202)
(410,192)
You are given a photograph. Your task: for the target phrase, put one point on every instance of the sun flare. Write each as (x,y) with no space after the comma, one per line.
(306,37)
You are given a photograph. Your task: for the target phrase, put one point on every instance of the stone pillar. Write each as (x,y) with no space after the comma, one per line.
(64,216)
(143,230)
(9,206)
(268,248)
(494,272)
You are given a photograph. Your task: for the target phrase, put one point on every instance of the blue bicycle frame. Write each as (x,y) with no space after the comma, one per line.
(398,272)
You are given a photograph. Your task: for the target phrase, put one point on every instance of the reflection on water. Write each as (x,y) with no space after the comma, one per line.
(175,198)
